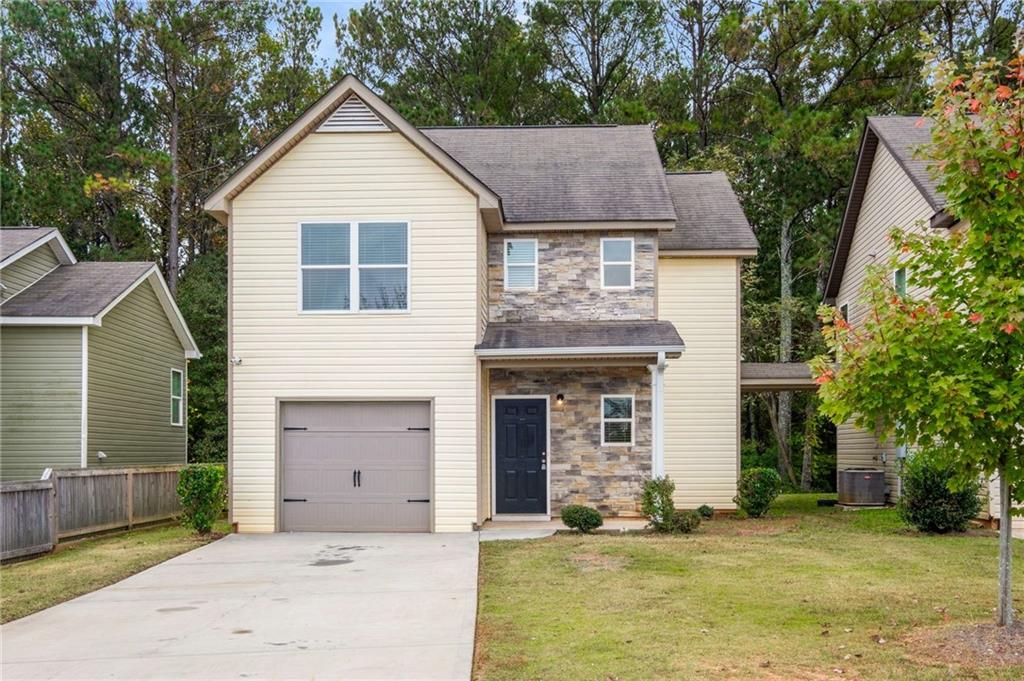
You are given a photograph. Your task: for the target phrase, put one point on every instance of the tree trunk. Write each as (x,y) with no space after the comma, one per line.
(785,402)
(1004,614)
(810,439)
(175,202)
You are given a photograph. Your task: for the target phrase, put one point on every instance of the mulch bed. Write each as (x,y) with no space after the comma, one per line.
(980,645)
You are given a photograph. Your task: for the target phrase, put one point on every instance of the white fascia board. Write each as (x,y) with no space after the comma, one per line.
(49,321)
(581,351)
(54,240)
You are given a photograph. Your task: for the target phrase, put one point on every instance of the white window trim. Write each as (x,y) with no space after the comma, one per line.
(536,265)
(354,266)
(631,262)
(181,398)
(631,420)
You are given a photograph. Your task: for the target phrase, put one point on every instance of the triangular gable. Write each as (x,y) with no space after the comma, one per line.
(218,203)
(353,115)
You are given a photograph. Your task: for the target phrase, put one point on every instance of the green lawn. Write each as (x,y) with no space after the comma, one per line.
(85,566)
(807,593)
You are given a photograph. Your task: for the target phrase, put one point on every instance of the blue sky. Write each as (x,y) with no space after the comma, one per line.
(329,8)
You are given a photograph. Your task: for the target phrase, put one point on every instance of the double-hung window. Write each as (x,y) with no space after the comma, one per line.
(177,397)
(354,266)
(616,420)
(616,263)
(520,264)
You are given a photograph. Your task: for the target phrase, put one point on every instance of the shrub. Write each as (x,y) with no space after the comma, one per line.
(656,503)
(757,490)
(582,518)
(706,512)
(203,494)
(686,521)
(930,504)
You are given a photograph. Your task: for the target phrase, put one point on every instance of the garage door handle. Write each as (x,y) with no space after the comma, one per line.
(423,429)
(418,501)
(287,499)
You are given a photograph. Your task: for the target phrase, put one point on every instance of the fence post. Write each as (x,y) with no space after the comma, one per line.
(54,511)
(130,493)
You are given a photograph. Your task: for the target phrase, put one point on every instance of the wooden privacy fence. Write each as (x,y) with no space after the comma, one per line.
(37,515)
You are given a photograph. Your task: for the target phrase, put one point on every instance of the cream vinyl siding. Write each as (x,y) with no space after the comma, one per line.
(130,360)
(993,508)
(27,270)
(426,353)
(701,297)
(890,200)
(40,399)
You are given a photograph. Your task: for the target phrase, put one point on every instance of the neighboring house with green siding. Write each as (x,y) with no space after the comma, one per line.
(93,360)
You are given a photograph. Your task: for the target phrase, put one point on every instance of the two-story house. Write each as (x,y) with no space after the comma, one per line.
(892,188)
(432,327)
(93,360)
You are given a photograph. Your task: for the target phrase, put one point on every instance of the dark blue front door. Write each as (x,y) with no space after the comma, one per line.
(520,456)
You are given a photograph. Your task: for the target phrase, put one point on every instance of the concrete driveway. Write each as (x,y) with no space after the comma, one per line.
(281,606)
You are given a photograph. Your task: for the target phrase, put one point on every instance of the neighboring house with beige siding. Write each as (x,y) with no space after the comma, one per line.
(892,188)
(93,361)
(432,328)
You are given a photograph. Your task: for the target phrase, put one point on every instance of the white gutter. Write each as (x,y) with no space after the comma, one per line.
(658,415)
(660,350)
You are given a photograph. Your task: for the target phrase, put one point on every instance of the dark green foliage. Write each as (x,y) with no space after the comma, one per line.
(582,518)
(757,489)
(685,522)
(202,296)
(930,504)
(203,493)
(706,511)
(656,503)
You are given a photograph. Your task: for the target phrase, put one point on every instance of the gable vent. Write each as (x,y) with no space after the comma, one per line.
(353,116)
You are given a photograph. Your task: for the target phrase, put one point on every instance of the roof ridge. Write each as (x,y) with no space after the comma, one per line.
(548,126)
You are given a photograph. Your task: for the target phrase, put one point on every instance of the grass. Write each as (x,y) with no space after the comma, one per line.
(806,593)
(84,566)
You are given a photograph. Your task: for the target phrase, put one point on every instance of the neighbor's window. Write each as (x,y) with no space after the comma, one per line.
(844,312)
(899,281)
(521,264)
(616,263)
(177,397)
(616,419)
(348,267)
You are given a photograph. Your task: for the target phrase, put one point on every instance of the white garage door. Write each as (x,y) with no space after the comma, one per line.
(355,467)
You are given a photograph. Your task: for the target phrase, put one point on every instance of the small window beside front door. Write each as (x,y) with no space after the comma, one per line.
(899,281)
(616,420)
(177,397)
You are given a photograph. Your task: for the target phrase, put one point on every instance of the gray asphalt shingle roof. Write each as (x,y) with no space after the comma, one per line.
(547,335)
(13,239)
(902,136)
(775,370)
(565,173)
(709,215)
(80,290)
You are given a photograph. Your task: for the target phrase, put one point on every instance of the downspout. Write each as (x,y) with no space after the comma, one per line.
(658,415)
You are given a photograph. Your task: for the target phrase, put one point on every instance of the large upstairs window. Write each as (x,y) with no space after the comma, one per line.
(354,267)
(617,263)
(520,264)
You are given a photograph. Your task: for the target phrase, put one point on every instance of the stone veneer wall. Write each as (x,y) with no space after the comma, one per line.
(582,471)
(569,280)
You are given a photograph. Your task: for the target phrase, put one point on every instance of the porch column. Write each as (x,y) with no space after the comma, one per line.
(658,416)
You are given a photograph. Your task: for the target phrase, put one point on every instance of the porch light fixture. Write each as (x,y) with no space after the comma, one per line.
(560,399)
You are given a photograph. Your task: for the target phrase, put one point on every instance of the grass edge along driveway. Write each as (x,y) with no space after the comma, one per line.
(81,567)
(807,593)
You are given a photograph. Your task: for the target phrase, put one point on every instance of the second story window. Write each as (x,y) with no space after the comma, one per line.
(520,264)
(351,267)
(899,281)
(617,263)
